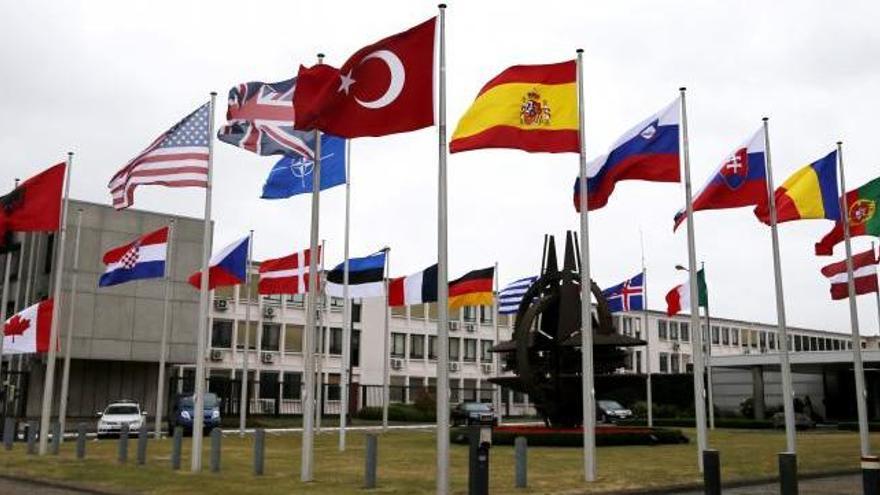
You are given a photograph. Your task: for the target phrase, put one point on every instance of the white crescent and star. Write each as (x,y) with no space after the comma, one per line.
(395,85)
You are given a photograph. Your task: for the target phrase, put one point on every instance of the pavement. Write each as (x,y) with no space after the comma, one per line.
(837,485)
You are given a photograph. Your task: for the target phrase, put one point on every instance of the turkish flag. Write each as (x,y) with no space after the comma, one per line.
(384,88)
(35,205)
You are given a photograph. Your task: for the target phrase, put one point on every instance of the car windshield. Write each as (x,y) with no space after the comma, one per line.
(122,409)
(210,401)
(476,406)
(609,404)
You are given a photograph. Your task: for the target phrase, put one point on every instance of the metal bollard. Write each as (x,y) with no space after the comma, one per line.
(143,435)
(788,483)
(259,448)
(55,446)
(31,435)
(371,461)
(871,474)
(216,438)
(122,449)
(8,433)
(520,449)
(711,472)
(81,441)
(176,446)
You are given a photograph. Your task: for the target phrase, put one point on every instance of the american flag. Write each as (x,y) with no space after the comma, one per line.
(260,119)
(177,158)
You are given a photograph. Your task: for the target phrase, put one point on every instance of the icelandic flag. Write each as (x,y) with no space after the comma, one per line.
(418,288)
(143,258)
(292,174)
(648,151)
(227,267)
(740,180)
(627,296)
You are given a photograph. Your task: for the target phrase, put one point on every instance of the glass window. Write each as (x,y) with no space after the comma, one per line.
(662,331)
(470,350)
(725,336)
(486,314)
(244,334)
(664,362)
(268,384)
(715,333)
(416,346)
(814,344)
(292,385)
(734,336)
(771,341)
(398,344)
(470,313)
(432,347)
(355,347)
(336,341)
(221,334)
(485,350)
(293,338)
(674,363)
(684,331)
(673,330)
(797,343)
(271,334)
(454,348)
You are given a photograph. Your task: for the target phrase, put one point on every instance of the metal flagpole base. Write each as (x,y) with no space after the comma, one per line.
(788,483)
(871,474)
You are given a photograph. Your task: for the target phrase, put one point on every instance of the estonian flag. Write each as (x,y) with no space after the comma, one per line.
(366,277)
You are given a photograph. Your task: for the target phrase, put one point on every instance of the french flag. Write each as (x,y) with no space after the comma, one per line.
(648,151)
(140,259)
(227,267)
(417,288)
(740,180)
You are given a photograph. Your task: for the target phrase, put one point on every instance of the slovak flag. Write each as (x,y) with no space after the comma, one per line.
(648,151)
(627,296)
(142,258)
(287,275)
(740,180)
(29,331)
(227,267)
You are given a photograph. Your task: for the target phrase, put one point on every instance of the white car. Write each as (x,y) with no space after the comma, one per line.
(121,413)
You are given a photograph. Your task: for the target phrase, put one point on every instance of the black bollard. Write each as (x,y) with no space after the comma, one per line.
(143,434)
(788,483)
(520,452)
(371,461)
(81,441)
(176,446)
(871,474)
(473,445)
(216,438)
(8,433)
(31,436)
(259,449)
(711,472)
(122,449)
(55,446)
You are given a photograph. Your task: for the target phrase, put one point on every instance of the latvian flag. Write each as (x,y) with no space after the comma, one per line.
(29,331)
(418,288)
(864,275)
(287,275)
(139,259)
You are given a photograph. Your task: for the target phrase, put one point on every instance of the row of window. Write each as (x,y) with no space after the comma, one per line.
(674,362)
(466,349)
(670,330)
(330,338)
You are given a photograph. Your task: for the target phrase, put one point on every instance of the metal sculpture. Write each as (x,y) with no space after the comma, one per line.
(545,354)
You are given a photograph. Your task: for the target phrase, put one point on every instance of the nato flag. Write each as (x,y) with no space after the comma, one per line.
(292,175)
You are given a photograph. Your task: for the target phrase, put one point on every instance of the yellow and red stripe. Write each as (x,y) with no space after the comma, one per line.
(811,192)
(475,288)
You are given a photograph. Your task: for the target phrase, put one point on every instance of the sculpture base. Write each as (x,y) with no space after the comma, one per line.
(606,435)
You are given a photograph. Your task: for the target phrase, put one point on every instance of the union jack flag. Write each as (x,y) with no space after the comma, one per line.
(260,119)
(627,296)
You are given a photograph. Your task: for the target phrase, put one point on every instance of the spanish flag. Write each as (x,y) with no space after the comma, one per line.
(527,107)
(474,288)
(811,192)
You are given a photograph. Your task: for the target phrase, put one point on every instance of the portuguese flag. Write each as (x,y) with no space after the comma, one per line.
(861,210)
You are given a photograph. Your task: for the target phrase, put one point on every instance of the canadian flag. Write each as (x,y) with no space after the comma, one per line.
(29,331)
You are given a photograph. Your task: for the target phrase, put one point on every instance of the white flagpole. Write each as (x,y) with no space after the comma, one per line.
(782,331)
(858,368)
(346,307)
(65,374)
(58,267)
(877,292)
(166,325)
(708,345)
(496,393)
(323,328)
(697,332)
(386,337)
(243,402)
(20,271)
(589,408)
(201,338)
(442,271)
(649,399)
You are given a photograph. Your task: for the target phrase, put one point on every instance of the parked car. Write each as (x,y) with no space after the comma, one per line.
(611,411)
(801,421)
(116,414)
(182,412)
(469,413)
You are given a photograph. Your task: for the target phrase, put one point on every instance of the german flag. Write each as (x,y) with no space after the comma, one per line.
(528,107)
(475,288)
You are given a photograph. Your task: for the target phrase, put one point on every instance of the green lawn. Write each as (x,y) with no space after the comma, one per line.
(406,464)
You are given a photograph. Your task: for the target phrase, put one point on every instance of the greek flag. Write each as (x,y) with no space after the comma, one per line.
(510,297)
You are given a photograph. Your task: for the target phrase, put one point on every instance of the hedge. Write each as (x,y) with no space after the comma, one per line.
(575,438)
(742,423)
(397,412)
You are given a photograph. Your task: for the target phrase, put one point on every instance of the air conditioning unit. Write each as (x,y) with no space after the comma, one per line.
(396,364)
(221,304)
(267,357)
(216,354)
(453,366)
(453,326)
(487,368)
(470,327)
(269,312)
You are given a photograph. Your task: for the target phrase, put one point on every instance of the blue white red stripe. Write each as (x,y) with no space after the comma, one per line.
(418,288)
(227,267)
(140,259)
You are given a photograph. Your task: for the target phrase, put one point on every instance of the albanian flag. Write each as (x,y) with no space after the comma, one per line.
(35,205)
(861,211)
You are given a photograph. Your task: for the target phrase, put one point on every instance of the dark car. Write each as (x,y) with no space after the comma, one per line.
(469,413)
(801,421)
(182,412)
(609,411)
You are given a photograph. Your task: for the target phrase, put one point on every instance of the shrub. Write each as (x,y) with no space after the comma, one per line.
(397,412)
(540,437)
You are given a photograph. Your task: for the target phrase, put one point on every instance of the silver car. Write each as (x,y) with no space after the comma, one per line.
(120,413)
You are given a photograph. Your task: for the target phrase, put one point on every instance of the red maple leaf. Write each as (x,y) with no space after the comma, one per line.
(16,326)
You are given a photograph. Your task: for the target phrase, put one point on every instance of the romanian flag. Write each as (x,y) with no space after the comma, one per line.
(475,288)
(811,192)
(528,107)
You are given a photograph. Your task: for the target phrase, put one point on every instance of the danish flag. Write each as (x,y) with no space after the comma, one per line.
(287,275)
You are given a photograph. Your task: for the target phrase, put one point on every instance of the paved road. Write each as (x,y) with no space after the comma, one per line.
(13,487)
(839,485)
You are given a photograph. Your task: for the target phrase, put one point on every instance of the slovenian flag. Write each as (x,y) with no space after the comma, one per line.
(227,267)
(140,259)
(811,192)
(418,288)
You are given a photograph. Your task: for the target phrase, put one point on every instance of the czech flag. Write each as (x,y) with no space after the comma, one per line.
(139,259)
(811,192)
(227,267)
(648,151)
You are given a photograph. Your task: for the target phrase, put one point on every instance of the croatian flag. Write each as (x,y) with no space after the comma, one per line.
(227,267)
(418,288)
(287,275)
(648,151)
(140,259)
(627,296)
(740,180)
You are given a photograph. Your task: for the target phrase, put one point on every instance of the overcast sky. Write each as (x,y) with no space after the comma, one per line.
(104,78)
